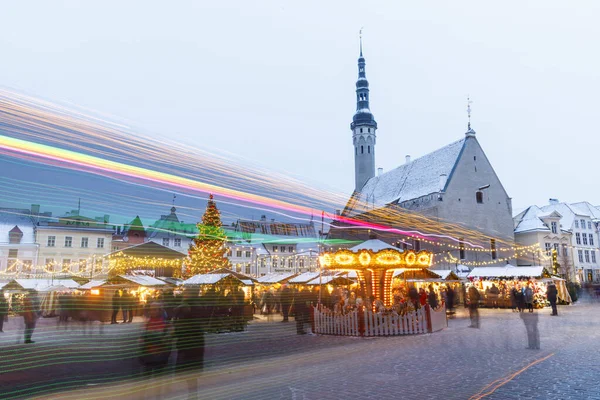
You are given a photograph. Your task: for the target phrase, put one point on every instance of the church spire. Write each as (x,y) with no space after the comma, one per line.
(470,131)
(363,127)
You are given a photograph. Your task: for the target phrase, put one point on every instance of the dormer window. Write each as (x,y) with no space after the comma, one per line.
(554,227)
(15,235)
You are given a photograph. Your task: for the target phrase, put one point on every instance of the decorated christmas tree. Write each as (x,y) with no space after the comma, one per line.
(207,251)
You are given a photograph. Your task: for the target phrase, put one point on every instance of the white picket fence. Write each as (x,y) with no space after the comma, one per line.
(326,322)
(368,323)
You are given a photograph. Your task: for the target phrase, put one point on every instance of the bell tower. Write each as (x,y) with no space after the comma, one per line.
(363,128)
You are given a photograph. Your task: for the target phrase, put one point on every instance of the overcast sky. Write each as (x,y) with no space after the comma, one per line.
(274,80)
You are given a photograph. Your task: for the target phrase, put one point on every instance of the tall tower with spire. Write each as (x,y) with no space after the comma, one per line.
(363,128)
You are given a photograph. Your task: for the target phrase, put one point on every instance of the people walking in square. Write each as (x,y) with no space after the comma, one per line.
(474,297)
(552,295)
(432,298)
(302,302)
(494,294)
(30,314)
(286,302)
(116,306)
(529,298)
(413,294)
(513,299)
(130,304)
(531,326)
(3,310)
(450,299)
(125,304)
(520,298)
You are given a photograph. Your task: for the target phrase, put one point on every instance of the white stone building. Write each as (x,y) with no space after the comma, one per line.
(18,247)
(581,221)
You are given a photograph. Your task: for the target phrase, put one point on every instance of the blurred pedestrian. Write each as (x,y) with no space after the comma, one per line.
(414,296)
(155,346)
(3,310)
(286,302)
(513,299)
(422,297)
(531,326)
(520,298)
(125,304)
(432,298)
(190,324)
(474,298)
(494,294)
(450,299)
(116,306)
(552,295)
(529,298)
(30,314)
(302,304)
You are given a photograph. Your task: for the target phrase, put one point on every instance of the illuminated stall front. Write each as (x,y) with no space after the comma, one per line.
(375,262)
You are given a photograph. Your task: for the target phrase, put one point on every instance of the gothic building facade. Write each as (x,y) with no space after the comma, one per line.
(453,189)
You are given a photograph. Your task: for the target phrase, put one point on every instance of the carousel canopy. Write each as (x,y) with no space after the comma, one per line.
(509,271)
(374,245)
(209,279)
(275,278)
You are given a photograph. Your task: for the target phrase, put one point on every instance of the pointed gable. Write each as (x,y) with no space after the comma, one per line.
(15,235)
(409,181)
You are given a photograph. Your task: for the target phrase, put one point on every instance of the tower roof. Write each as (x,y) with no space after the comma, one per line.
(363,115)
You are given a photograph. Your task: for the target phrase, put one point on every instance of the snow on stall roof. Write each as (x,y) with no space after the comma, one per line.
(443,273)
(508,271)
(349,274)
(411,180)
(92,284)
(247,282)
(305,277)
(275,278)
(43,284)
(143,280)
(205,279)
(374,245)
(4,283)
(325,279)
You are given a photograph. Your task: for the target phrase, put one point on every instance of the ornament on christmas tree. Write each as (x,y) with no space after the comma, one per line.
(207,250)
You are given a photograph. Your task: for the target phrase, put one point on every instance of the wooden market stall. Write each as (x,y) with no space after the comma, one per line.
(508,277)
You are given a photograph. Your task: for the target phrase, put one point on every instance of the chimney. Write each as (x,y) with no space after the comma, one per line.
(443,179)
(263,217)
(106,218)
(553,201)
(379,171)
(407,158)
(35,209)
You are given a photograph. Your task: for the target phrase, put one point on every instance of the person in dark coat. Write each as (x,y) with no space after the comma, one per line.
(450,299)
(552,295)
(529,298)
(474,298)
(513,299)
(125,303)
(531,326)
(432,298)
(302,301)
(131,303)
(3,310)
(30,314)
(286,302)
(190,319)
(237,309)
(413,294)
(116,306)
(520,299)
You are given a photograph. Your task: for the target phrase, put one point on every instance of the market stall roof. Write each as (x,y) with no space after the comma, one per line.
(330,279)
(446,274)
(42,284)
(58,288)
(374,245)
(275,278)
(142,280)
(247,282)
(150,249)
(232,272)
(462,271)
(92,284)
(509,271)
(305,277)
(208,279)
(171,281)
(350,274)
(3,283)
(411,274)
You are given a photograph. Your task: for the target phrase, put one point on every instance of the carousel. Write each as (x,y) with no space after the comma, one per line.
(375,263)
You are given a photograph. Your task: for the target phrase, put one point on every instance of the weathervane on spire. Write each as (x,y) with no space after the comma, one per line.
(469,111)
(360,38)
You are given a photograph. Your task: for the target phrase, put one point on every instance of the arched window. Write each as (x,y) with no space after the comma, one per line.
(362,149)
(369,130)
(361,130)
(369,149)
(479,197)
(356,150)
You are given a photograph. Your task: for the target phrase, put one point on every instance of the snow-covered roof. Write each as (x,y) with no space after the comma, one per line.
(374,245)
(3,283)
(445,273)
(247,282)
(305,277)
(409,181)
(509,271)
(42,285)
(350,274)
(325,279)
(143,280)
(92,284)
(9,218)
(275,278)
(530,220)
(206,279)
